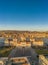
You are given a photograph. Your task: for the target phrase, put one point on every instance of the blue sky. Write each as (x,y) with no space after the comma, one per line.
(24,15)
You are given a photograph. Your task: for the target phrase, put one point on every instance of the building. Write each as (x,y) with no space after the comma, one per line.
(6,42)
(20,61)
(23,38)
(3,60)
(45,41)
(2,42)
(32,39)
(38,43)
(23,44)
(43,60)
(11,42)
(14,61)
(1,63)
(27,39)
(14,42)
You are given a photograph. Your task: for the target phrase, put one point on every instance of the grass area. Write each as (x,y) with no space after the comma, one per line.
(5,51)
(41,51)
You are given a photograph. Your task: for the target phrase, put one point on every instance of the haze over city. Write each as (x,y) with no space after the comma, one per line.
(24,15)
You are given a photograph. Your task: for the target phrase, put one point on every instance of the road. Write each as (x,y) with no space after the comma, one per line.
(22,51)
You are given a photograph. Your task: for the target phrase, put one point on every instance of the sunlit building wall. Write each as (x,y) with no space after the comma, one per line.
(38,43)
(42,60)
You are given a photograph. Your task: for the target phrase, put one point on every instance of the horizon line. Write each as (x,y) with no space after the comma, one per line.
(25,30)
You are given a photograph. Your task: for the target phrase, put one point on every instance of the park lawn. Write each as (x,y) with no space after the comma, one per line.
(42,51)
(4,52)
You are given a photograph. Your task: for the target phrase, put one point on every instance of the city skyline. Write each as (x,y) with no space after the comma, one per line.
(29,15)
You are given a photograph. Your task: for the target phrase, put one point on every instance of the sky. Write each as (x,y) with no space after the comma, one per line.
(24,15)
